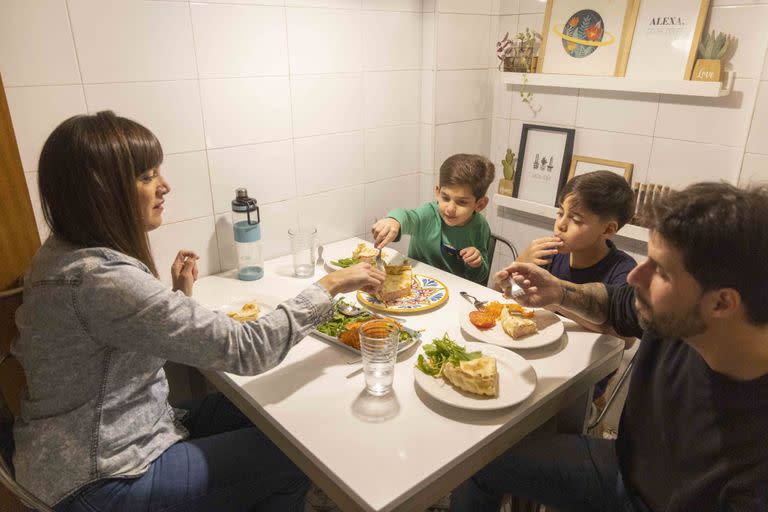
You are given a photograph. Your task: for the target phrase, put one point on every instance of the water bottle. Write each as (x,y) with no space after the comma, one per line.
(247,225)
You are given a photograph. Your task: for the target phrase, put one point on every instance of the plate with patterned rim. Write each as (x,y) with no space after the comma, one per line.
(426,293)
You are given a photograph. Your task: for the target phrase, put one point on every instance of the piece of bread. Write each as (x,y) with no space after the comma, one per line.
(517,326)
(478,376)
(365,253)
(249,311)
(397,283)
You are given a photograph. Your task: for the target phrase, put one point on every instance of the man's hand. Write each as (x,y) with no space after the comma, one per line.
(384,231)
(184,271)
(539,252)
(471,256)
(541,287)
(362,276)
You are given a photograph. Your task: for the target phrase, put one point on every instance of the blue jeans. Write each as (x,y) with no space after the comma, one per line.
(568,472)
(226,464)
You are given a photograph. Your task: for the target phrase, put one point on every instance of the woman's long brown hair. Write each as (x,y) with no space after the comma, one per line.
(87,178)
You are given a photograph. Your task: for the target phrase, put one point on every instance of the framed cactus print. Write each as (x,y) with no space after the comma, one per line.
(665,40)
(542,168)
(587,37)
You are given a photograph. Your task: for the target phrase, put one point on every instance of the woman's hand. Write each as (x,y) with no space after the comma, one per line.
(384,231)
(540,251)
(184,271)
(362,276)
(541,287)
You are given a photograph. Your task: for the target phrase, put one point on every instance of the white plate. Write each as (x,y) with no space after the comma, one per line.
(415,337)
(550,326)
(390,257)
(517,381)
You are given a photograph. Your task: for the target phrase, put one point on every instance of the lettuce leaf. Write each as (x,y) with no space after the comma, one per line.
(440,351)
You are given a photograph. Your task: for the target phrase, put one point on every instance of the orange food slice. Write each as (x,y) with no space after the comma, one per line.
(481,319)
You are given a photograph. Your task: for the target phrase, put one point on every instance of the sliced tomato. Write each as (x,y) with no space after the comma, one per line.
(481,319)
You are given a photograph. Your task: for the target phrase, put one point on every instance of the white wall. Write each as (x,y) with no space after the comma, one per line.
(671,140)
(313,105)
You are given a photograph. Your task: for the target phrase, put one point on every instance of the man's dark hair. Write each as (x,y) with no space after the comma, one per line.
(603,193)
(722,232)
(475,171)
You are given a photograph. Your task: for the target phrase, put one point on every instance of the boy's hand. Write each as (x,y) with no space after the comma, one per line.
(540,251)
(472,256)
(384,231)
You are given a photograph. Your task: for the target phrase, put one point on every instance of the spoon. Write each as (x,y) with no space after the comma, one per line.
(320,260)
(347,309)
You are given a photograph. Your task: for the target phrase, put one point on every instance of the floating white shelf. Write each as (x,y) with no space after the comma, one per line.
(614,83)
(541,210)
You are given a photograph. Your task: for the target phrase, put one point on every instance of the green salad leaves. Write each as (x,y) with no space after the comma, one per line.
(440,351)
(339,322)
(346,262)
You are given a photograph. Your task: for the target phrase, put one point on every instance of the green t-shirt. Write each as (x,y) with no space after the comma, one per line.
(429,233)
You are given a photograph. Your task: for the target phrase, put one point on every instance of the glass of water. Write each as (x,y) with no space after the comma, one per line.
(303,241)
(378,345)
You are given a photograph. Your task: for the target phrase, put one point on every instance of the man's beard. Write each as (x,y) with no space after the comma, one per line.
(671,325)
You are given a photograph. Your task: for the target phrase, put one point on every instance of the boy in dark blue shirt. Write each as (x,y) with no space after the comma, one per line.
(593,207)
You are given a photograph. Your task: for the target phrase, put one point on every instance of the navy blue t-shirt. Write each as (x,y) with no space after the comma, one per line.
(611,270)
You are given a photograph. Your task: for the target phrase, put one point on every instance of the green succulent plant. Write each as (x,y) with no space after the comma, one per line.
(714,47)
(508,165)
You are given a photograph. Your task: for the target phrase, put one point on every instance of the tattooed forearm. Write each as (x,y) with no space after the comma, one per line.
(589,301)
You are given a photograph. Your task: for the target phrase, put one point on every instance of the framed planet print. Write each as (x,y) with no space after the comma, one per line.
(542,167)
(584,164)
(587,37)
(665,40)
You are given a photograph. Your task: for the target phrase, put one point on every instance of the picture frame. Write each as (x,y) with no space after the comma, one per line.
(543,162)
(583,164)
(587,37)
(666,39)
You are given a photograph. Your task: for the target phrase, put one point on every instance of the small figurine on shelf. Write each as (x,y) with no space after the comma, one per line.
(506,184)
(711,50)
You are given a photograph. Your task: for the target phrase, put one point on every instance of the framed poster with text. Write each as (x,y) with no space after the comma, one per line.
(666,37)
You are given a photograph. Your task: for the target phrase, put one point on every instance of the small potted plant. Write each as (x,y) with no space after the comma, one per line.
(506,184)
(711,50)
(516,54)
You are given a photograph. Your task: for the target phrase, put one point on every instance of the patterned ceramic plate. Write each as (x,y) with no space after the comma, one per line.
(426,293)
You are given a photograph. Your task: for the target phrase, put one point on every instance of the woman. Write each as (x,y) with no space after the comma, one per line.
(95,431)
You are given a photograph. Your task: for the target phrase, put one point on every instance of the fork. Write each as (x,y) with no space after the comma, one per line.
(320,260)
(515,291)
(380,262)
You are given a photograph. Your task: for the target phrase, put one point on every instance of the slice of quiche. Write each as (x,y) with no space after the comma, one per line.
(249,312)
(517,326)
(365,253)
(478,376)
(397,283)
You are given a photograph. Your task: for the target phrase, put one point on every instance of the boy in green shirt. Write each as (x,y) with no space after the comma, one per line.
(448,233)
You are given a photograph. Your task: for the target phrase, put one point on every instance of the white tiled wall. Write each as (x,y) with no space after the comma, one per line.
(314,105)
(670,139)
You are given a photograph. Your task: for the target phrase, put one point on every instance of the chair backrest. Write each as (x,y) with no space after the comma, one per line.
(496,239)
(7,478)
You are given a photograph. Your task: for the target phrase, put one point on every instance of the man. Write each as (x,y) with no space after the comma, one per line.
(694,430)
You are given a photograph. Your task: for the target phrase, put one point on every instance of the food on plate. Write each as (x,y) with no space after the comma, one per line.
(469,371)
(478,376)
(517,326)
(346,262)
(397,283)
(486,317)
(365,253)
(482,320)
(345,328)
(247,313)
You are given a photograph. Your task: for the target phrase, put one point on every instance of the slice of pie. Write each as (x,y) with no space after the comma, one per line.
(397,283)
(365,253)
(517,326)
(478,376)
(249,312)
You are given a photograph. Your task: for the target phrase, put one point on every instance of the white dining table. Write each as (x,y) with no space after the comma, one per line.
(406,450)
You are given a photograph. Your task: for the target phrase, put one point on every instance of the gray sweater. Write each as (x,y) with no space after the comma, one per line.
(95,330)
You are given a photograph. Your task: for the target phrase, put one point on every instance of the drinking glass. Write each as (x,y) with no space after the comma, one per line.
(378,346)
(303,241)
